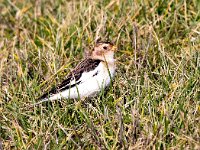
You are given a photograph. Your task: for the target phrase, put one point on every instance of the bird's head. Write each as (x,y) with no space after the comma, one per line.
(104,51)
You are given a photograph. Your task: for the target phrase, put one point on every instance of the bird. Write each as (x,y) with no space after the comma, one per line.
(89,77)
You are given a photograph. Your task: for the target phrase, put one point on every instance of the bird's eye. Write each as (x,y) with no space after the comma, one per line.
(105,47)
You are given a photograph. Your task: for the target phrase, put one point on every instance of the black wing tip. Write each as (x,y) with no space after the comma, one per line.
(43,96)
(47,94)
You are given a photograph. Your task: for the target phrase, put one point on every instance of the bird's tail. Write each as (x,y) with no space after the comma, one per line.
(48,99)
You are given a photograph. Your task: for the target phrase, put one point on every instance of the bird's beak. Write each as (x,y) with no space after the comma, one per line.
(114,48)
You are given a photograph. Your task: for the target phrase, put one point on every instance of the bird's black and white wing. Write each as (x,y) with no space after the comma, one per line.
(73,79)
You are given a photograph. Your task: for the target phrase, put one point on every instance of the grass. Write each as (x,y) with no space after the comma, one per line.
(154,102)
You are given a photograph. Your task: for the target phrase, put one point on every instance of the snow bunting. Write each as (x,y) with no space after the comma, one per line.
(89,77)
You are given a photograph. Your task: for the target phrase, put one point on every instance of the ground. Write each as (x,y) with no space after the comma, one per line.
(154,100)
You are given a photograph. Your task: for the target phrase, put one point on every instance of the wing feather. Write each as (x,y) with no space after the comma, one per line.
(86,65)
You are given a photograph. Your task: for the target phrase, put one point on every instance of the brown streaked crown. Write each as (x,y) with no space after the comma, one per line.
(103,46)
